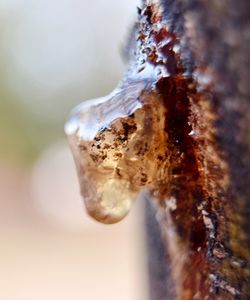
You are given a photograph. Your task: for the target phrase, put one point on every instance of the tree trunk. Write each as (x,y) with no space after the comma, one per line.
(203,210)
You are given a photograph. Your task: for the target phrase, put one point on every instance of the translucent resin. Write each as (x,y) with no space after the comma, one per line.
(118,146)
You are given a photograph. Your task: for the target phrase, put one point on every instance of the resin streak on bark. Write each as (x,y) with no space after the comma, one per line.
(196,211)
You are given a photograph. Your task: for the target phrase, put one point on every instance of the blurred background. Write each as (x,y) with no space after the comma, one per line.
(53,55)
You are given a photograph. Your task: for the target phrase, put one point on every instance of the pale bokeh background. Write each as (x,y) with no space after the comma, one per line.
(53,55)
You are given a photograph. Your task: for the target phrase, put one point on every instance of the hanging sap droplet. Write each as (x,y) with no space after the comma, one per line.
(97,138)
(107,200)
(116,142)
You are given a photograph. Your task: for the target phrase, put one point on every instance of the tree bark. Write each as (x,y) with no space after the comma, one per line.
(212,217)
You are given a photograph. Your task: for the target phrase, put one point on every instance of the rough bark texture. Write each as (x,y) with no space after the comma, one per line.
(206,237)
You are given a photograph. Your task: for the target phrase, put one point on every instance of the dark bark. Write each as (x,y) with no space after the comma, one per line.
(216,37)
(160,281)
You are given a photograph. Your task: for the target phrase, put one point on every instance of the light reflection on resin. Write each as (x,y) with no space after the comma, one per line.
(118,146)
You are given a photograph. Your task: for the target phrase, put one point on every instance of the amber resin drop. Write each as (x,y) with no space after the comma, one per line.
(116,141)
(119,141)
